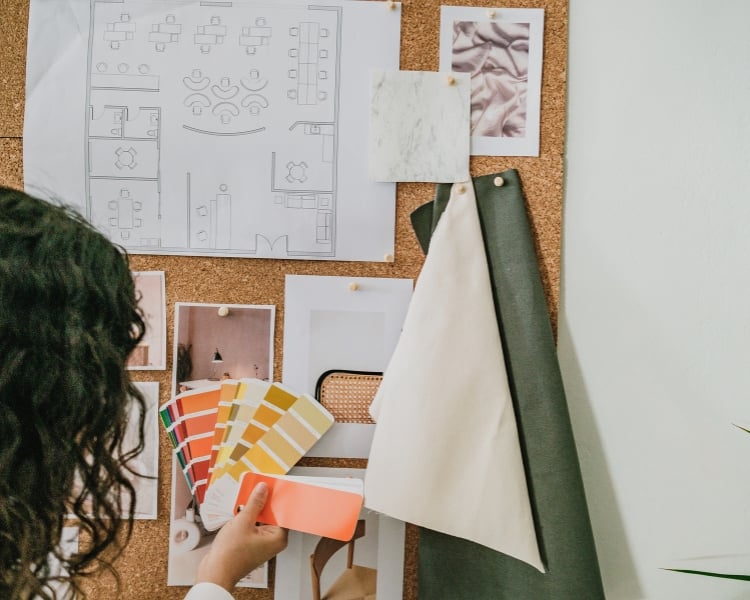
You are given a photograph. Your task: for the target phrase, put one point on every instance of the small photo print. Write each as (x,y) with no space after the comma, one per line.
(221,341)
(337,344)
(151,352)
(501,49)
(497,55)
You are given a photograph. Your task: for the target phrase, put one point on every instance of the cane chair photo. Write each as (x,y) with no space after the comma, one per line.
(347,395)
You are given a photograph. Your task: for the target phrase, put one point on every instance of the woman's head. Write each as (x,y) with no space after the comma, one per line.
(68,321)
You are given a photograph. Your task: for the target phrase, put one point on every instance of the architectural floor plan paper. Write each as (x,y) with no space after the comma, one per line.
(223,128)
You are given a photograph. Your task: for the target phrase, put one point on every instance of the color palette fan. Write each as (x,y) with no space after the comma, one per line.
(225,431)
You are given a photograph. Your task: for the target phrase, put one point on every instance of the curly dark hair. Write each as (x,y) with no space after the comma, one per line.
(68,321)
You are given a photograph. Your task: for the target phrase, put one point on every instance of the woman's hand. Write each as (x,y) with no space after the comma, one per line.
(241,545)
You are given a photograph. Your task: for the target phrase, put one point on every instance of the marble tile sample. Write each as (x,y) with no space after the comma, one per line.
(419,126)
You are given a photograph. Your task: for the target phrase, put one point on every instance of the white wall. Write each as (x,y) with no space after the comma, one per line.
(655,303)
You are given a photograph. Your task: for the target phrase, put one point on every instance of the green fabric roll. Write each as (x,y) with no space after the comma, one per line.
(455,569)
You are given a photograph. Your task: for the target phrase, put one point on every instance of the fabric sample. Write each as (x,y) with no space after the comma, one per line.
(419,126)
(497,56)
(445,454)
(450,567)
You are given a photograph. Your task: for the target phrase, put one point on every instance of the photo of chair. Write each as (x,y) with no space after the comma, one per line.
(355,583)
(347,395)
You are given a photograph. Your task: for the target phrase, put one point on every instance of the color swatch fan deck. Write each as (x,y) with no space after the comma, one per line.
(224,432)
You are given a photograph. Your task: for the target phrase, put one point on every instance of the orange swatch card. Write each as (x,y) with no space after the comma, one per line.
(324,506)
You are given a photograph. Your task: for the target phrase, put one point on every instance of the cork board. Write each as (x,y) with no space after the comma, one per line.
(143,567)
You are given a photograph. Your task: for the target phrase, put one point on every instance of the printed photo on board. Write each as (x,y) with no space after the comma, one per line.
(221,341)
(151,352)
(501,49)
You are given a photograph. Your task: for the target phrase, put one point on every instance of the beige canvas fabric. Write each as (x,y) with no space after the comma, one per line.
(445,453)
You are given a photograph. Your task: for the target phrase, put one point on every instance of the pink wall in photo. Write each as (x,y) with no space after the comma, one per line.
(243,339)
(149,286)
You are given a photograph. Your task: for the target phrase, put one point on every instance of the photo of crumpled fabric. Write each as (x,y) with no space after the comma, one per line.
(497,56)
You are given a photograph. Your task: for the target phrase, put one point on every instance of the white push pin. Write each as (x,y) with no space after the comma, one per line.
(353,286)
(391,5)
(461,189)
(223,311)
(389,258)
(491,14)
(499,181)
(451,80)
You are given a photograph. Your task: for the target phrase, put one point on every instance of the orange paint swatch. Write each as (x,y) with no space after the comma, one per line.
(303,506)
(229,391)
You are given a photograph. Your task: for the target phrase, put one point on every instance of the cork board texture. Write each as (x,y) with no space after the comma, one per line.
(143,568)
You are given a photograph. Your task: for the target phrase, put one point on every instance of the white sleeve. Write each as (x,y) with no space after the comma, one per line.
(208,591)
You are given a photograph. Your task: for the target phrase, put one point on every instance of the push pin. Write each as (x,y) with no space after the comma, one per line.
(451,80)
(353,286)
(461,189)
(499,181)
(223,311)
(389,258)
(491,14)
(391,5)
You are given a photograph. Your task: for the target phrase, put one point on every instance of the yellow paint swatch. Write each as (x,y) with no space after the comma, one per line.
(287,440)
(249,395)
(313,413)
(275,401)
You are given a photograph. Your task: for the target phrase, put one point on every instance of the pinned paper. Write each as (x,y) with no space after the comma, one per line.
(328,327)
(502,49)
(419,126)
(147,462)
(189,105)
(151,351)
(446,453)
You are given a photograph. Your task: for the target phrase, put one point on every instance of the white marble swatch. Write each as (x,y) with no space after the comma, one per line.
(419,126)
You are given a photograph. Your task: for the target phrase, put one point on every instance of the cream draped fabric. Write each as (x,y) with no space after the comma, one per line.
(445,453)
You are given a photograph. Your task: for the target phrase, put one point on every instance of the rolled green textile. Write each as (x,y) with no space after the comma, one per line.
(455,569)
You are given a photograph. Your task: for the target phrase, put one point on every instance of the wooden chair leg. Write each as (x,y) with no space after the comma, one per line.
(315,579)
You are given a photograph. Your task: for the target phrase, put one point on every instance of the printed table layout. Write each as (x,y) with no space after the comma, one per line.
(222,128)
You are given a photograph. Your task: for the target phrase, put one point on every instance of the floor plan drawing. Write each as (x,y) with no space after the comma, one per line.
(225,128)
